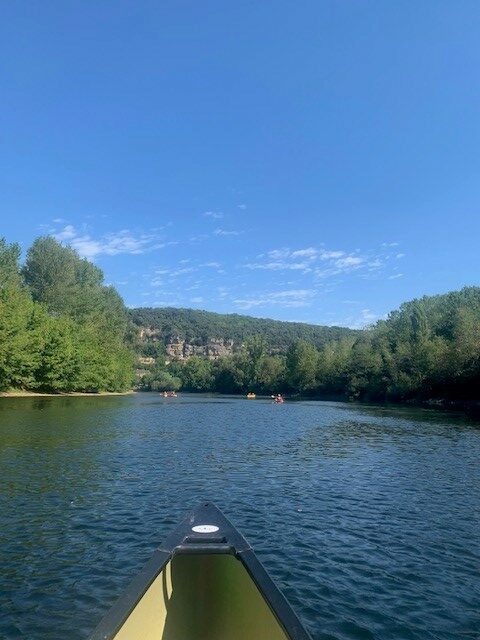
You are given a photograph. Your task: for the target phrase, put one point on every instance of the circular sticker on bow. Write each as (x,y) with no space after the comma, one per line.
(205,528)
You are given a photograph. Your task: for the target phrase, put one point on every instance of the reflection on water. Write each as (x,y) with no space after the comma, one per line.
(367,517)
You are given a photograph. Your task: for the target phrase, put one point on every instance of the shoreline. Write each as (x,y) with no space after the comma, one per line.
(452,405)
(22,393)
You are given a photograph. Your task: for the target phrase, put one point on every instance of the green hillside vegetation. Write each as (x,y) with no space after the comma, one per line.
(196,327)
(61,329)
(428,349)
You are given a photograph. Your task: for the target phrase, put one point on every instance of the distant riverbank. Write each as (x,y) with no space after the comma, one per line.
(19,393)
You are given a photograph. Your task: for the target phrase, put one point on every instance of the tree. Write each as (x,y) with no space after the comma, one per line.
(302,359)
(49,272)
(197,374)
(20,324)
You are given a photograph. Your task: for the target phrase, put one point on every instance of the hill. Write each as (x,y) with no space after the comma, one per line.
(427,350)
(193,328)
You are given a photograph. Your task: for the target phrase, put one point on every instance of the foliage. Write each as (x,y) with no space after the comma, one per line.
(427,349)
(159,380)
(196,327)
(61,329)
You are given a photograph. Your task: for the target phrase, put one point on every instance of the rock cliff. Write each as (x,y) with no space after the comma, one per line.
(177,348)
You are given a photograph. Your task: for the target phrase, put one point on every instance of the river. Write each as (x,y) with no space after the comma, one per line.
(368,518)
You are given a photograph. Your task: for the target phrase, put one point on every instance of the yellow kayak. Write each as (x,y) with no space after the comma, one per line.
(203,583)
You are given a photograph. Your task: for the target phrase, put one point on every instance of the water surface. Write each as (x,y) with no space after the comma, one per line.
(367,518)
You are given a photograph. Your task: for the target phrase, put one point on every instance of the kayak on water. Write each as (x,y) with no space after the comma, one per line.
(203,583)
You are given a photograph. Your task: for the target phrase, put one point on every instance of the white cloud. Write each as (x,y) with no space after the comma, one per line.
(390,244)
(288,299)
(323,263)
(330,255)
(279,266)
(394,277)
(279,254)
(174,272)
(163,276)
(365,319)
(349,261)
(196,300)
(214,215)
(242,206)
(213,265)
(197,239)
(110,244)
(223,232)
(310,252)
(67,233)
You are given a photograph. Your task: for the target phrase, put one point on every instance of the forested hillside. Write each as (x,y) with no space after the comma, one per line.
(428,349)
(197,327)
(61,329)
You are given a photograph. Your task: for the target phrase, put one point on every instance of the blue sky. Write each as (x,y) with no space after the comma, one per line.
(312,160)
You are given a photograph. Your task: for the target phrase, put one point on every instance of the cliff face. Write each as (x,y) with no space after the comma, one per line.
(178,349)
(214,348)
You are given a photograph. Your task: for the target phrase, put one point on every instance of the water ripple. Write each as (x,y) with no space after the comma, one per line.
(366,517)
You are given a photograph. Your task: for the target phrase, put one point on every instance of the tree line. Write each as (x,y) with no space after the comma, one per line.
(61,328)
(196,327)
(428,349)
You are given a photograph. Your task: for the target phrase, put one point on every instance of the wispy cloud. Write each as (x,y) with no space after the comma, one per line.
(242,206)
(110,244)
(348,262)
(320,261)
(394,277)
(288,298)
(278,265)
(365,319)
(162,276)
(214,215)
(67,233)
(309,252)
(198,238)
(225,232)
(324,263)
(222,292)
(173,273)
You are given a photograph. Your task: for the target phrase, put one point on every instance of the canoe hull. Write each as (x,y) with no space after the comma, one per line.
(202,585)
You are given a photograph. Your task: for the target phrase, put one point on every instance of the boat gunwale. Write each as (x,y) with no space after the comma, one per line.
(182,542)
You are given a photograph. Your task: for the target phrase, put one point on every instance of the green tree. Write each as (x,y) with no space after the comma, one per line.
(302,360)
(20,324)
(197,374)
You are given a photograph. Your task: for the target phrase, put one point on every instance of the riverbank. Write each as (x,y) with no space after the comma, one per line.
(20,393)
